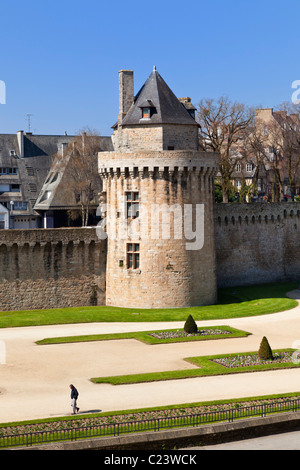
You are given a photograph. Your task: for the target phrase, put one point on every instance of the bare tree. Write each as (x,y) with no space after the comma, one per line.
(80,164)
(254,149)
(285,140)
(224,125)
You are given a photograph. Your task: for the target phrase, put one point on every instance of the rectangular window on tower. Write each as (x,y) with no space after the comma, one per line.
(132,204)
(133,255)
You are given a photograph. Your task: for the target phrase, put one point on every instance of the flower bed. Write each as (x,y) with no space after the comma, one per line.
(183,334)
(252,360)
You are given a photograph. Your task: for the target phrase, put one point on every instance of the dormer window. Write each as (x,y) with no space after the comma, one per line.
(148,109)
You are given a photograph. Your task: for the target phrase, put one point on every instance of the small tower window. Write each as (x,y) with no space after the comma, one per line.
(146,113)
(133,255)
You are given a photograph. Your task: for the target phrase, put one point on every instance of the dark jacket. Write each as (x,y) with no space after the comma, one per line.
(74,393)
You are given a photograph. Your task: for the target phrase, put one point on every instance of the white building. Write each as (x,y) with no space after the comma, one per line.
(4,217)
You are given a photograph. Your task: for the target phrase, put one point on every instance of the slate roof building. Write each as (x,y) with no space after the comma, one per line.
(26,171)
(57,198)
(24,164)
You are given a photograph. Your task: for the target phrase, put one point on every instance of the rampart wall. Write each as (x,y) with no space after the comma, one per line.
(257,243)
(51,268)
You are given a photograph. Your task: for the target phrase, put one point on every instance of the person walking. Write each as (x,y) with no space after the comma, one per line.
(74,397)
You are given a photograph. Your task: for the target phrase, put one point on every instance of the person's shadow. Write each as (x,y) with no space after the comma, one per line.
(88,411)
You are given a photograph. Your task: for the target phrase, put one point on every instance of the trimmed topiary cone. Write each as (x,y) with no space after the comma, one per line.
(265,352)
(190,325)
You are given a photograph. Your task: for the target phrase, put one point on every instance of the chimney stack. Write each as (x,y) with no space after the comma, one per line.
(126,93)
(20,135)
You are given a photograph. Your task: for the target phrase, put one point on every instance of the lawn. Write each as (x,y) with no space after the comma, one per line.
(154,337)
(207,366)
(233,302)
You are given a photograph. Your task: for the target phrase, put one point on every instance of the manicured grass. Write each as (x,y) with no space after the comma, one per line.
(233,302)
(205,367)
(145,337)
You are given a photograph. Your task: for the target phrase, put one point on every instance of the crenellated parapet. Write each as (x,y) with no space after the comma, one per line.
(156,164)
(233,214)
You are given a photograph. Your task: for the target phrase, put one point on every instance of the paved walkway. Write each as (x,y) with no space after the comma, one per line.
(34,380)
(286,441)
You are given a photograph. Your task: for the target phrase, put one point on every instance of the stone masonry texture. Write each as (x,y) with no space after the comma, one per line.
(257,243)
(51,268)
(169,274)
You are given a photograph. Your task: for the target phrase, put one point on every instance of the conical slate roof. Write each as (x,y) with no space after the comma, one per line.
(167,108)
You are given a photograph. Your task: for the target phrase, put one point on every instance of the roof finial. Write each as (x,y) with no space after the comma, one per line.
(154,68)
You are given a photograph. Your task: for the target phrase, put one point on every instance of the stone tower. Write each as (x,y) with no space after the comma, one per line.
(157,202)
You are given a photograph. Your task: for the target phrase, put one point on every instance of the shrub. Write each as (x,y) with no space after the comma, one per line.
(190,325)
(265,352)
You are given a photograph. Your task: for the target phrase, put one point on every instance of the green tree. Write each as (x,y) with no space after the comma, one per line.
(190,325)
(265,352)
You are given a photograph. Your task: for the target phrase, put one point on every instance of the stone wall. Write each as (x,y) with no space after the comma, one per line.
(257,243)
(156,138)
(51,268)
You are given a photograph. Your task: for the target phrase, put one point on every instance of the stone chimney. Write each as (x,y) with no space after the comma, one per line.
(63,149)
(126,93)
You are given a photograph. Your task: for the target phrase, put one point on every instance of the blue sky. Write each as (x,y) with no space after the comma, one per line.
(60,59)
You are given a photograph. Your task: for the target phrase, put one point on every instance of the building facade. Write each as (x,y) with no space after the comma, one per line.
(25,161)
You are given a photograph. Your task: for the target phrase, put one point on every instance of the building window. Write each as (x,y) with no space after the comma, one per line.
(46,196)
(146,113)
(15,188)
(249,167)
(133,255)
(259,185)
(8,171)
(238,184)
(238,167)
(132,204)
(20,206)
